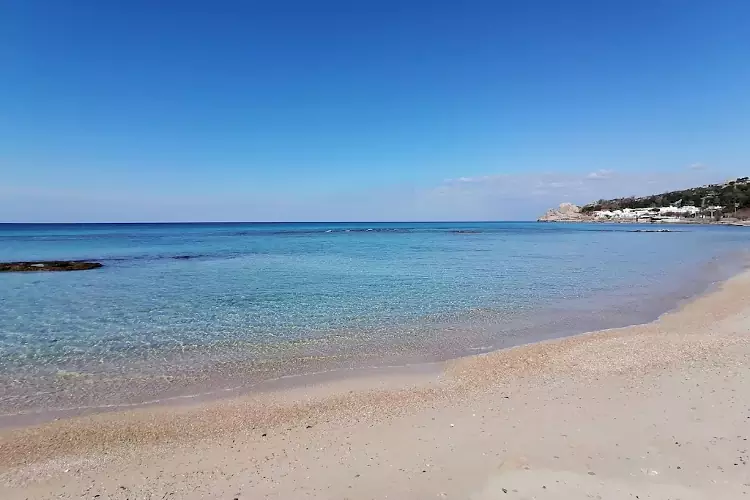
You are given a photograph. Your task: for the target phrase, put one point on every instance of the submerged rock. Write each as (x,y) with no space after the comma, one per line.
(48,265)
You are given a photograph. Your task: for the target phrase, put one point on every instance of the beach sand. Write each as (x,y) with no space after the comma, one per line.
(656,411)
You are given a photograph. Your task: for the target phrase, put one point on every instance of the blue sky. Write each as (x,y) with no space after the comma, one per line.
(369,110)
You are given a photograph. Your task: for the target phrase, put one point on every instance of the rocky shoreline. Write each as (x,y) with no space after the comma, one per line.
(566,212)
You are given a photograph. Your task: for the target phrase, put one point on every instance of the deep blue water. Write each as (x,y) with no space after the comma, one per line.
(218,292)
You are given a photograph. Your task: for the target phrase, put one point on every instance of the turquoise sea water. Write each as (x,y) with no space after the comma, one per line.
(178,306)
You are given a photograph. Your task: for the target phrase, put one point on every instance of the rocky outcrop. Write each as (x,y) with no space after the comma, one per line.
(48,265)
(566,212)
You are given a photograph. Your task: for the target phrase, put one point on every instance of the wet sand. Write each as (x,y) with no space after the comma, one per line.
(654,411)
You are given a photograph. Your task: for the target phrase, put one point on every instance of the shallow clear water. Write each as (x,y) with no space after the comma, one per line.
(177,297)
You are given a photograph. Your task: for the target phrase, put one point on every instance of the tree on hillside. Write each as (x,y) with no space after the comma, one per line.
(732,196)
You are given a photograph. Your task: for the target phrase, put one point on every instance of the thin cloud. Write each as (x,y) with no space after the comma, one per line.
(600,174)
(476,180)
(697,166)
(559,184)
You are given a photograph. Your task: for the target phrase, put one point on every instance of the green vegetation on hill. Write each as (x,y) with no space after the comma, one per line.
(732,196)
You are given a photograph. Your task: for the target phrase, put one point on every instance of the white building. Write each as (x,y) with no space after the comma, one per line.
(633,214)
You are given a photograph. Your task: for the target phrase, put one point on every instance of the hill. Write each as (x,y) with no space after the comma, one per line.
(732,196)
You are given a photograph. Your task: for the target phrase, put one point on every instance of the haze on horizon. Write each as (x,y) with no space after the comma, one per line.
(334,110)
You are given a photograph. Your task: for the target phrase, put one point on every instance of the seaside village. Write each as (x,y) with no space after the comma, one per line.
(657,214)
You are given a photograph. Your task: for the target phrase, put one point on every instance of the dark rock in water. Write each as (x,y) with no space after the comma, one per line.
(48,265)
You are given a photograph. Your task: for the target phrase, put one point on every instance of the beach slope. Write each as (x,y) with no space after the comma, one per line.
(656,411)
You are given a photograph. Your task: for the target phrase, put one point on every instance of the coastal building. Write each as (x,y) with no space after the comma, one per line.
(648,214)
(567,212)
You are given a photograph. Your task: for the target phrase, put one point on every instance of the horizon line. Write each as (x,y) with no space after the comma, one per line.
(276,222)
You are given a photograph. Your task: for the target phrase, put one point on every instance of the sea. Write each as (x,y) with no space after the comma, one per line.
(199,309)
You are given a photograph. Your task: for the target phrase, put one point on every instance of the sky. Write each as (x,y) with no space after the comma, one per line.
(134,110)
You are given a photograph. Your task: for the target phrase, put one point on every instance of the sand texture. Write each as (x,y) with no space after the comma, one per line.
(657,411)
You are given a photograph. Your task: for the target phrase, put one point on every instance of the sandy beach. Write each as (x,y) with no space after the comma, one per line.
(655,411)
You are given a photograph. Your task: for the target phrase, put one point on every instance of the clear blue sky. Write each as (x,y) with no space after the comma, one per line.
(310,110)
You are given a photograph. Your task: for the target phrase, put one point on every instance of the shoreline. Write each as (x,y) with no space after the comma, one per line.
(226,389)
(702,222)
(345,375)
(702,336)
(710,279)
